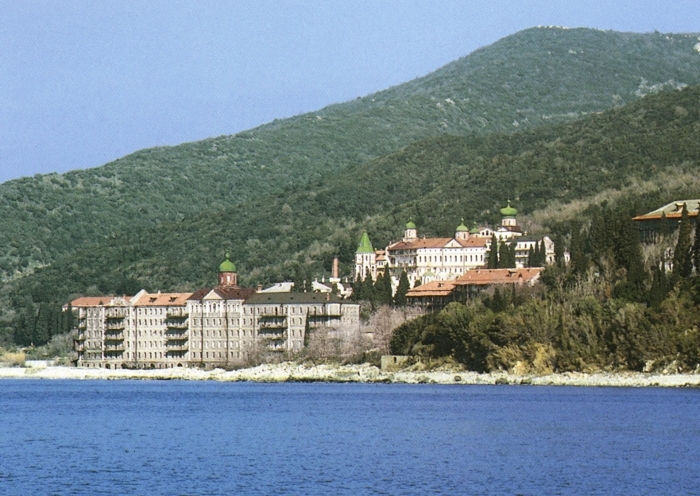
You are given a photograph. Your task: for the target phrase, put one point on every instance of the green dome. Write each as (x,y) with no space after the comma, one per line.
(227,265)
(410,224)
(509,211)
(474,229)
(365,245)
(462,227)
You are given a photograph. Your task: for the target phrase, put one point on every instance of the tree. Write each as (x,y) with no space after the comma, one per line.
(682,260)
(24,326)
(530,257)
(696,248)
(664,226)
(383,294)
(559,258)
(401,290)
(493,253)
(579,264)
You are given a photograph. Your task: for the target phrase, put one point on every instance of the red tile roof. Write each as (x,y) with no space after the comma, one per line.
(485,277)
(433,288)
(91,301)
(420,243)
(162,300)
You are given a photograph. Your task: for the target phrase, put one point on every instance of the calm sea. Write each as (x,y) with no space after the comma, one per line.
(148,437)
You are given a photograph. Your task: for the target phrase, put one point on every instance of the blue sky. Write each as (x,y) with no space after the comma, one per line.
(85,82)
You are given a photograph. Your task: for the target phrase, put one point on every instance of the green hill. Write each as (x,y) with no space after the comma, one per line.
(295,233)
(538,76)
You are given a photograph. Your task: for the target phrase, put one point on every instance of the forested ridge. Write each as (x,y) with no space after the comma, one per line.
(287,197)
(294,234)
(534,77)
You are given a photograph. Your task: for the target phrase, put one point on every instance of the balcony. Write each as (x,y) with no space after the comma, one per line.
(116,313)
(176,348)
(115,348)
(178,337)
(176,313)
(116,336)
(177,324)
(273,339)
(115,326)
(278,323)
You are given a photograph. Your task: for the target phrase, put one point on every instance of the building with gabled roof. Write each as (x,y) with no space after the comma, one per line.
(650,225)
(437,294)
(443,258)
(212,327)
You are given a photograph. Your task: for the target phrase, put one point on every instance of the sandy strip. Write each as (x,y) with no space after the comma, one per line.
(293,372)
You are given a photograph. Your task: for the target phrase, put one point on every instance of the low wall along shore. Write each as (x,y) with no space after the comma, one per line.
(293,372)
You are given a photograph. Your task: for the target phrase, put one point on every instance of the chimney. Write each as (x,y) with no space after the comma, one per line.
(334,271)
(259,287)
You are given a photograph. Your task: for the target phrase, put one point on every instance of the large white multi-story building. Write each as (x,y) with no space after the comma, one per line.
(431,259)
(212,327)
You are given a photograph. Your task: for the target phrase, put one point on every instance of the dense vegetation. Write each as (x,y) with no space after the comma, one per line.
(538,76)
(287,197)
(295,234)
(608,310)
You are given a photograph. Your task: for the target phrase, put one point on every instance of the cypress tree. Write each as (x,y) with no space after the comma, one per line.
(24,326)
(417,283)
(543,254)
(682,261)
(382,289)
(664,226)
(42,332)
(493,253)
(402,289)
(307,330)
(531,257)
(696,247)
(503,255)
(559,258)
(578,257)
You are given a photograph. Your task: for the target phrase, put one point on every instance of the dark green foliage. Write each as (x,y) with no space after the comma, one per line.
(579,262)
(559,250)
(382,290)
(402,289)
(493,253)
(696,247)
(163,216)
(166,184)
(682,256)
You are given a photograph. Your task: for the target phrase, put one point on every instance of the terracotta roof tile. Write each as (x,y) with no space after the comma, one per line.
(433,288)
(484,277)
(162,299)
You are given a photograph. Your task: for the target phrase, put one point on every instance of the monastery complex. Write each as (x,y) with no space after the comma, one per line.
(443,259)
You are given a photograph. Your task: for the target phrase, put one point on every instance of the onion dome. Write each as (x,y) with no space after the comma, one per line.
(410,224)
(365,245)
(227,265)
(508,211)
(462,227)
(474,229)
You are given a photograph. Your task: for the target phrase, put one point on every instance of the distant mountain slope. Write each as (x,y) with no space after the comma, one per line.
(295,234)
(537,76)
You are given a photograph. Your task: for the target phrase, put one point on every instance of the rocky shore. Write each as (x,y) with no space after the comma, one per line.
(293,372)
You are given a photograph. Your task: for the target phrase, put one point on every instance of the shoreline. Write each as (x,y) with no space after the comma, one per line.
(292,372)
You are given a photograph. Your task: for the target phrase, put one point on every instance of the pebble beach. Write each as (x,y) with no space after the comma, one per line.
(365,373)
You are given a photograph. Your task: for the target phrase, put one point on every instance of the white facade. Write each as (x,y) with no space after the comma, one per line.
(209,328)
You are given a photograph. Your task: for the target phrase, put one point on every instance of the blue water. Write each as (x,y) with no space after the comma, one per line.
(147,437)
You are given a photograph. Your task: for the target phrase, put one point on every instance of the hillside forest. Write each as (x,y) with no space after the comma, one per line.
(380,163)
